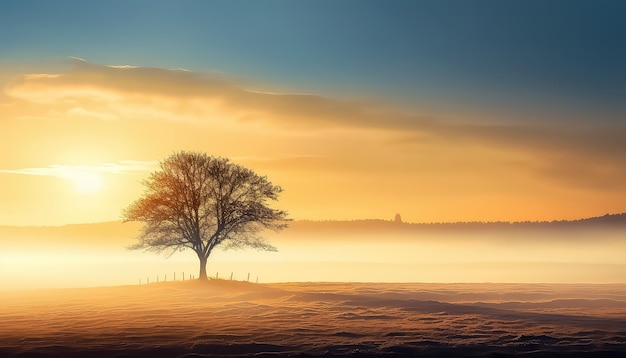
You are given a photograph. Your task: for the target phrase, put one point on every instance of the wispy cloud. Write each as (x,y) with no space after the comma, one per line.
(577,156)
(69,171)
(188,94)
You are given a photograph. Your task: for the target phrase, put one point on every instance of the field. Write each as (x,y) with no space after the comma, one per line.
(229,318)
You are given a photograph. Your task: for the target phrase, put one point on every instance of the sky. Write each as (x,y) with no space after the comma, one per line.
(438,110)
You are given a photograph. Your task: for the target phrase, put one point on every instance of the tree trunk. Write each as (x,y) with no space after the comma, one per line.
(203,275)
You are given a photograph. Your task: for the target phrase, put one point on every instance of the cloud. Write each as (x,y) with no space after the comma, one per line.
(585,156)
(69,171)
(182,93)
(80,111)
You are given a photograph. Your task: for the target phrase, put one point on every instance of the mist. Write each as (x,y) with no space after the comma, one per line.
(361,251)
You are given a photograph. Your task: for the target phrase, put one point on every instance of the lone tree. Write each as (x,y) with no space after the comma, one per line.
(199,202)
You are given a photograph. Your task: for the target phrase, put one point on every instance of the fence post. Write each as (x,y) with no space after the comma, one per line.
(217,275)
(183,276)
(231,276)
(257,279)
(248,280)
(174,275)
(148,280)
(165,279)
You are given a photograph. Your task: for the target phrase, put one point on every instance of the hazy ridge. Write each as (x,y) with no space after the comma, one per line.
(117,231)
(607,220)
(587,250)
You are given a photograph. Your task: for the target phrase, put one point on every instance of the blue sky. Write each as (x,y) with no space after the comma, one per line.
(474,110)
(512,56)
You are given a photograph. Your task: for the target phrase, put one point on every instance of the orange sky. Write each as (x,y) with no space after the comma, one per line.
(78,140)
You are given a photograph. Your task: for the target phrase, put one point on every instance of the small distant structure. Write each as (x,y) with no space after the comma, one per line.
(397,219)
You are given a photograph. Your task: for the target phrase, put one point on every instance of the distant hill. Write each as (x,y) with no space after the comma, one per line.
(118,234)
(608,219)
(605,221)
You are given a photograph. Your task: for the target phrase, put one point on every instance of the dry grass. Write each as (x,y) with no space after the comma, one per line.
(226,318)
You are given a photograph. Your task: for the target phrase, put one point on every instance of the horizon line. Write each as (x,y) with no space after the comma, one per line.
(366,220)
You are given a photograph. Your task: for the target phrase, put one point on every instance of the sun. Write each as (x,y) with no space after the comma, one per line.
(86,182)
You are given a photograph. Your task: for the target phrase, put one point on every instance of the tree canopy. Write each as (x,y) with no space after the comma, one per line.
(198,202)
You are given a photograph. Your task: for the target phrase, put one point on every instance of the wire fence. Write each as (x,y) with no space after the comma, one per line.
(189,277)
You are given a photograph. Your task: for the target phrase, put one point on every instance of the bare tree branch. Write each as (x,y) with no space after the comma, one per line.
(199,202)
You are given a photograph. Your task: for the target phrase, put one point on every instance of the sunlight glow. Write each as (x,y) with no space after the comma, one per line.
(86,182)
